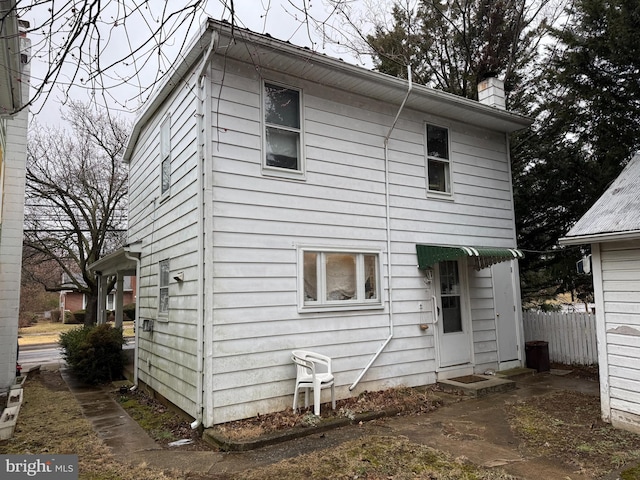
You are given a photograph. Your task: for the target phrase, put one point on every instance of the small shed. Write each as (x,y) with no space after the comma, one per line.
(612,228)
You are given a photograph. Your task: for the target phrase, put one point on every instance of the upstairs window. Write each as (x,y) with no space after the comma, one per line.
(337,280)
(282,128)
(163,294)
(165,156)
(438,160)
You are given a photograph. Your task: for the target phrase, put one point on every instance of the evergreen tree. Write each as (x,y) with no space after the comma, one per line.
(453,45)
(586,131)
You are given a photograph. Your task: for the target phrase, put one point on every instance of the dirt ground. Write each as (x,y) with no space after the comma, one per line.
(562,425)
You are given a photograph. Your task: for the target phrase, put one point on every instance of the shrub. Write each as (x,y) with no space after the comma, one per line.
(76,317)
(129,311)
(94,353)
(55,316)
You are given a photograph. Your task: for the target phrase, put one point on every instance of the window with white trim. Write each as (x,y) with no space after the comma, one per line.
(165,156)
(438,160)
(282,129)
(163,284)
(340,279)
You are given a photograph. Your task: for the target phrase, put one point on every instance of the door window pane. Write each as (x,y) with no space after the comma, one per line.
(451,315)
(450,297)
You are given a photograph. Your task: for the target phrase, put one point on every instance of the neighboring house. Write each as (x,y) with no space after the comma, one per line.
(71,299)
(14,92)
(612,228)
(280,199)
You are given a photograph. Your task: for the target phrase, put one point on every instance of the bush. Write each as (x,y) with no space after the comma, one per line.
(75,318)
(129,312)
(94,353)
(55,316)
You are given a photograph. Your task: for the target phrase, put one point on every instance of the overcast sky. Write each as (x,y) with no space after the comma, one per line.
(282,19)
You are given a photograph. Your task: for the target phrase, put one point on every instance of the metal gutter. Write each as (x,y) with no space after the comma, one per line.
(388,233)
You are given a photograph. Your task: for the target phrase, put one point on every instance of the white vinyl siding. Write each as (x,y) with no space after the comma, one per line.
(165,157)
(621,290)
(168,228)
(260,222)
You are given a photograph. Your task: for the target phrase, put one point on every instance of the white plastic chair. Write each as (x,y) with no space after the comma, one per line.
(308,377)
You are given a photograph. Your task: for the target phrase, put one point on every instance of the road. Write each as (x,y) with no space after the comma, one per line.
(46,354)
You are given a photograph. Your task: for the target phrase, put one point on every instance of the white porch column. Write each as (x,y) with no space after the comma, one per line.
(119,296)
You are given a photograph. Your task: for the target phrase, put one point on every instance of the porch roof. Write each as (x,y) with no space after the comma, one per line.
(122,261)
(483,257)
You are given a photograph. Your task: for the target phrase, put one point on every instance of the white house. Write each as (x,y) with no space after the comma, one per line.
(14,91)
(612,228)
(281,199)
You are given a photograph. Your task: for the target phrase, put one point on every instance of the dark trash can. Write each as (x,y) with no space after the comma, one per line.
(537,353)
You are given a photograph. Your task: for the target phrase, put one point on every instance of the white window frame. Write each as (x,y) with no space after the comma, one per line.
(165,157)
(322,304)
(448,162)
(300,173)
(163,313)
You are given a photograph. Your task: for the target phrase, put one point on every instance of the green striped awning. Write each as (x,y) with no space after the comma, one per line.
(483,257)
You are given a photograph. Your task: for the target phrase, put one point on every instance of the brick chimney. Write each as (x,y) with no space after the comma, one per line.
(491,92)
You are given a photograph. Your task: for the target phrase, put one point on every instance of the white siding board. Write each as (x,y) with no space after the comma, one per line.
(259,221)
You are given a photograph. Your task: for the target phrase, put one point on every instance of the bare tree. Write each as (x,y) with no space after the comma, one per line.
(76,186)
(118,51)
(101,45)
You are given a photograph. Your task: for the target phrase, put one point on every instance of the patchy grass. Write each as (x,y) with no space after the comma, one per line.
(51,422)
(161,423)
(631,474)
(48,332)
(567,426)
(376,458)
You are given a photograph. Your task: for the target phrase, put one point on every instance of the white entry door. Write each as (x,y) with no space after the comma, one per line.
(506,314)
(453,326)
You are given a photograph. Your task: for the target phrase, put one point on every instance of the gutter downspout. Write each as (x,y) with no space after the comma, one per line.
(388,233)
(136,330)
(201,138)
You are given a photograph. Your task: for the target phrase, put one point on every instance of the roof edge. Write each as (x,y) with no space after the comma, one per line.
(200,41)
(600,238)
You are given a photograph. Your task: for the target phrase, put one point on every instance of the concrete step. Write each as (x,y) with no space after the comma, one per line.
(477,385)
(516,373)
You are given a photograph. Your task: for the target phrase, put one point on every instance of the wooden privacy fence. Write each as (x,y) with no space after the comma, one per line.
(571,336)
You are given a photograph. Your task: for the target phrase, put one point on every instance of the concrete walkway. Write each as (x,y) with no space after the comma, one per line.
(474,428)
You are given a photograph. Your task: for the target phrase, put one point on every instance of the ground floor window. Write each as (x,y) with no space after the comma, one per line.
(338,279)
(163,294)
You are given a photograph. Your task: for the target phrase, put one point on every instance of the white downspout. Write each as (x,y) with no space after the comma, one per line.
(136,323)
(388,233)
(201,125)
